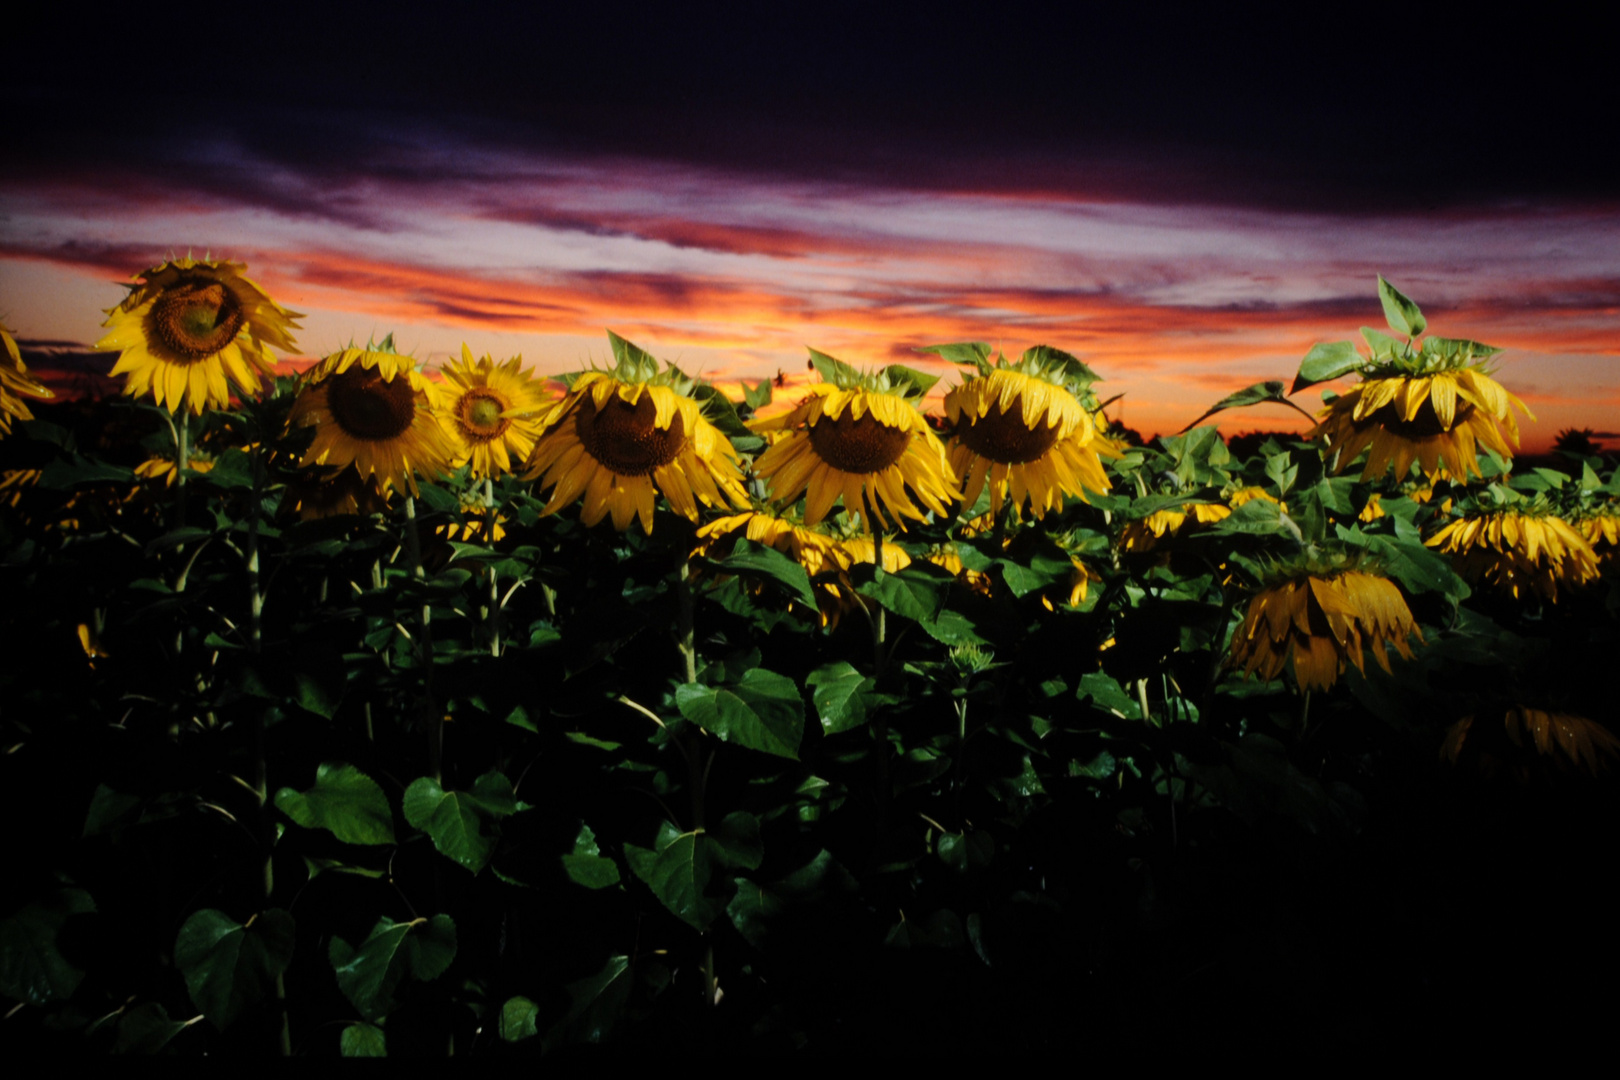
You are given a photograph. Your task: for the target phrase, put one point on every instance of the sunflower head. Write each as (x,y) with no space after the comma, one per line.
(1026,428)
(859,437)
(1568,740)
(15,380)
(371,408)
(494,412)
(1316,617)
(1430,401)
(1519,546)
(189,328)
(322,493)
(621,436)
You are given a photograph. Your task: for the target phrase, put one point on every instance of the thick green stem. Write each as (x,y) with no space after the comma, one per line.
(493,615)
(182,458)
(686,635)
(1142,700)
(434,722)
(261,756)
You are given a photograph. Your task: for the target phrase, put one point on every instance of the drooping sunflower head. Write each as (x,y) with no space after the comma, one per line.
(1316,618)
(190,328)
(816,550)
(1569,740)
(859,437)
(494,412)
(373,409)
(1518,545)
(1026,428)
(1430,401)
(15,380)
(1144,533)
(622,436)
(322,493)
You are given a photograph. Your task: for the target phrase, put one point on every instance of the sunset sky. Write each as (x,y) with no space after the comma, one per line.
(1144,194)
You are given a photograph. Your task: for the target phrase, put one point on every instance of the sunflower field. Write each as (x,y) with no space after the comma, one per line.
(365,713)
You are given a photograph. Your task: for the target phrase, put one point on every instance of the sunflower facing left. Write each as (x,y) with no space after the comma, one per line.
(372,409)
(189,328)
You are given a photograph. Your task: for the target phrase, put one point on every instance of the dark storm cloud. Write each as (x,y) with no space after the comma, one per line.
(1364,111)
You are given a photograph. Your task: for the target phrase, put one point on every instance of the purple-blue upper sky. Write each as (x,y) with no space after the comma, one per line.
(1188,202)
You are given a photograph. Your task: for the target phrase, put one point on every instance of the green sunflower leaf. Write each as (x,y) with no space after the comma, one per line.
(229,966)
(1327,360)
(838,698)
(762,711)
(1261,393)
(370,974)
(146,1029)
(363,1040)
(586,866)
(595,1004)
(682,870)
(1402,314)
(518,1019)
(32,970)
(345,802)
(974,354)
(758,559)
(462,823)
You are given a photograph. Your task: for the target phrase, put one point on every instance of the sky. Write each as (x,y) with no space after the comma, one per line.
(1185,203)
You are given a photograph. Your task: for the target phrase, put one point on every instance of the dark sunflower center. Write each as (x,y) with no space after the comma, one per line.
(480,414)
(861,445)
(370,408)
(1425,425)
(624,438)
(1002,436)
(197,318)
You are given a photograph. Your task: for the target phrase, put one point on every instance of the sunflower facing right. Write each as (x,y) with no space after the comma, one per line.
(1430,401)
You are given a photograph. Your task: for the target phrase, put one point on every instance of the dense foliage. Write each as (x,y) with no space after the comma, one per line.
(464,775)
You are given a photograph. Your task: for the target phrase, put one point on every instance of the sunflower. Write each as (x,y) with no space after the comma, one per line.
(1250,494)
(493,412)
(162,468)
(1517,551)
(1578,741)
(484,524)
(1023,428)
(1145,534)
(862,438)
(14,380)
(1602,531)
(619,433)
(1430,419)
(372,409)
(816,551)
(188,325)
(1319,621)
(323,493)
(948,557)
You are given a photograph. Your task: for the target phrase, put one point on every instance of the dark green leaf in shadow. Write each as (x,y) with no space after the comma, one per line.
(762,711)
(146,1029)
(363,1040)
(32,970)
(229,966)
(345,802)
(369,975)
(586,866)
